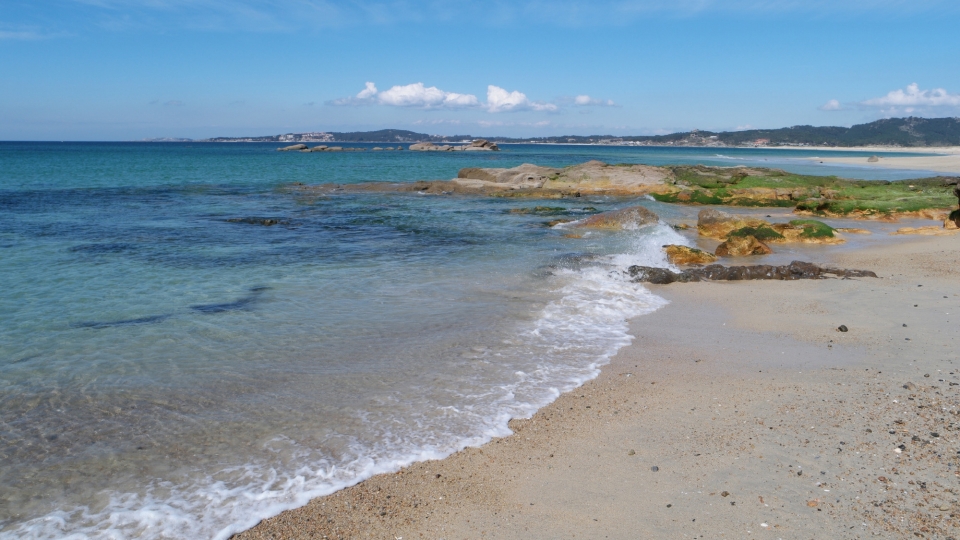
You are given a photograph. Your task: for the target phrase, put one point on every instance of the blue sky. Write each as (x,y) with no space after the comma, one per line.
(133,69)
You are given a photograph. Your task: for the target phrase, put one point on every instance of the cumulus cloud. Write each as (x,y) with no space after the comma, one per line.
(912,99)
(419,96)
(832,105)
(584,100)
(499,100)
(415,95)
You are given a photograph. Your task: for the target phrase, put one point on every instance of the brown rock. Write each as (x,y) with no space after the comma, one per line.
(718,224)
(627,218)
(742,246)
(683,255)
(718,272)
(292,147)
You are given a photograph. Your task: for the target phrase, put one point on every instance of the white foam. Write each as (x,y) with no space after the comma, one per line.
(573,337)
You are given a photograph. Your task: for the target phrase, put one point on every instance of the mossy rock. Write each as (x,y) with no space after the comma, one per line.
(762,233)
(813,228)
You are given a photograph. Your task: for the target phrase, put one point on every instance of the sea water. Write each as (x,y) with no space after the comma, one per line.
(169,368)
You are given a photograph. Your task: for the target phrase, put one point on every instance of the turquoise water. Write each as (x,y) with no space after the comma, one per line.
(168,373)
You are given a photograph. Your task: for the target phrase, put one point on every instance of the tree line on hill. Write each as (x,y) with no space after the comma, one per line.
(905,132)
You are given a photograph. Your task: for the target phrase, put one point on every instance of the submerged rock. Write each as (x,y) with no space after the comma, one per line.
(717,272)
(627,218)
(742,246)
(683,255)
(266,222)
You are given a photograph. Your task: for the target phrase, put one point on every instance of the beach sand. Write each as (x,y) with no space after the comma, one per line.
(947,159)
(740,411)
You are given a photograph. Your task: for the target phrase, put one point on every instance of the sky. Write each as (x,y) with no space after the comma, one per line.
(137,69)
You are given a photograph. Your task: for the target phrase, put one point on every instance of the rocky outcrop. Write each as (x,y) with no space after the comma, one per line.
(742,246)
(292,147)
(683,255)
(479,145)
(526,176)
(717,272)
(627,218)
(593,177)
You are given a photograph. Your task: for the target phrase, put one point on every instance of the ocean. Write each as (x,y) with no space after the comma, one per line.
(169,368)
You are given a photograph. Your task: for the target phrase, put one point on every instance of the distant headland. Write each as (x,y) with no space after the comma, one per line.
(911,132)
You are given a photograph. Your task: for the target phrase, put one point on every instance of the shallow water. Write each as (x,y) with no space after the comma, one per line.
(171,368)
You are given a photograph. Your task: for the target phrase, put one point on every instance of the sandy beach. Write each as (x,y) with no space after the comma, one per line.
(945,160)
(740,411)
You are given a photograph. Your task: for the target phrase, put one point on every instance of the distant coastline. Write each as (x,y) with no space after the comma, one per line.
(897,133)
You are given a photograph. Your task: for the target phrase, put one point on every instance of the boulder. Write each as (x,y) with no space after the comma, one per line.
(717,272)
(627,218)
(377,149)
(808,231)
(320,148)
(424,146)
(683,255)
(873,159)
(742,246)
(334,149)
(292,147)
(718,224)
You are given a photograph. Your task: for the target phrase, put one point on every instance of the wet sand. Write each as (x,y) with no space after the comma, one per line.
(946,160)
(740,411)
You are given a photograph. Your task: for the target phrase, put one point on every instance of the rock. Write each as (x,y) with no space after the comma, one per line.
(424,146)
(873,159)
(717,272)
(742,246)
(627,218)
(842,328)
(377,149)
(591,177)
(266,222)
(852,230)
(718,224)
(482,145)
(932,230)
(320,148)
(292,147)
(724,493)
(683,255)
(334,149)
(654,468)
(953,222)
(632,453)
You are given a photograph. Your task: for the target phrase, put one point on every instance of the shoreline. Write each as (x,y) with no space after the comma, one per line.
(702,397)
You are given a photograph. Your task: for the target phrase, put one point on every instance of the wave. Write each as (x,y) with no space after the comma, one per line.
(566,345)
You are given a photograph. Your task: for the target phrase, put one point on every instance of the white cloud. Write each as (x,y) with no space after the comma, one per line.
(499,100)
(369,92)
(584,100)
(912,99)
(832,105)
(414,95)
(417,95)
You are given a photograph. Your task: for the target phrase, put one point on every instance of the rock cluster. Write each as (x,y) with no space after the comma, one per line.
(744,236)
(717,272)
(479,145)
